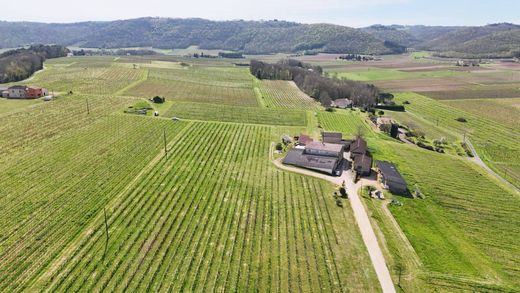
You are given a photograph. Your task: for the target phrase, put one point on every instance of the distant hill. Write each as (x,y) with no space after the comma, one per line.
(262,37)
(495,40)
(253,37)
(426,33)
(394,33)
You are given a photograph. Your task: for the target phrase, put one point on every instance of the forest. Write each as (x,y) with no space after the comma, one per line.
(19,64)
(310,79)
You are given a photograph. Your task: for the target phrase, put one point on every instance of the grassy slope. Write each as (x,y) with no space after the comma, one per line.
(461,199)
(501,111)
(497,144)
(9,106)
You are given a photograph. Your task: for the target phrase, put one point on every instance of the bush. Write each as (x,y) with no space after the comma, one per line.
(381,112)
(462,119)
(425,146)
(467,149)
(343,192)
(279,146)
(158,100)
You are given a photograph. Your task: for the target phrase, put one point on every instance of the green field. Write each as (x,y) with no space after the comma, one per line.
(284,242)
(479,92)
(369,74)
(502,111)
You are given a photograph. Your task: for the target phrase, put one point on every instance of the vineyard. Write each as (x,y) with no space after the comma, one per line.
(201,111)
(350,123)
(49,193)
(499,110)
(497,144)
(177,219)
(223,86)
(9,106)
(99,76)
(23,130)
(280,94)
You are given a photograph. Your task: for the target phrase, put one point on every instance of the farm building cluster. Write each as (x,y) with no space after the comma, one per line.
(24,92)
(334,154)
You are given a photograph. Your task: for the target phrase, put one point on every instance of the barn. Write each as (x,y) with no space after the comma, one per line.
(318,156)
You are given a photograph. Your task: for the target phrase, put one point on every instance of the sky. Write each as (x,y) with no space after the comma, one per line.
(355,13)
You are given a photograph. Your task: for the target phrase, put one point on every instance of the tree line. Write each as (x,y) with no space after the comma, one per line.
(356,57)
(19,64)
(310,79)
(119,52)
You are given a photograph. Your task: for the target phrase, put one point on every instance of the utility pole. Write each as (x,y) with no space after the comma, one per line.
(165,148)
(106,229)
(88,106)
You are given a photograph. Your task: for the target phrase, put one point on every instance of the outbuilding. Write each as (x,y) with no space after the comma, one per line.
(342,103)
(391,178)
(304,139)
(358,147)
(332,137)
(324,149)
(362,165)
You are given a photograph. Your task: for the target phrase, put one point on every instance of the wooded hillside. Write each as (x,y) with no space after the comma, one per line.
(16,65)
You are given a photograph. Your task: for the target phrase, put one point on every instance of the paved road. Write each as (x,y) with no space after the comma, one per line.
(481,163)
(362,220)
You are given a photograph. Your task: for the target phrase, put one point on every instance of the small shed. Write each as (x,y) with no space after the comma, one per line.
(304,139)
(324,149)
(332,137)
